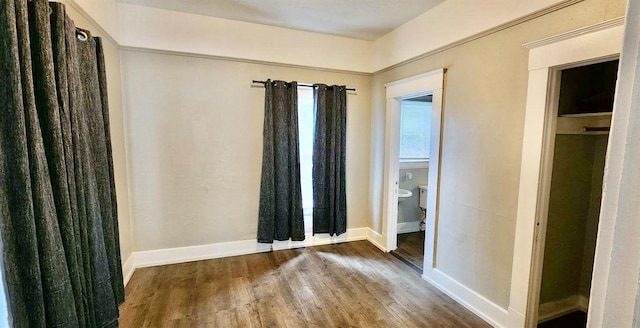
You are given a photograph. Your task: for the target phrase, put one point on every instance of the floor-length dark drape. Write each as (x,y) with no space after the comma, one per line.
(58,214)
(329,159)
(280,214)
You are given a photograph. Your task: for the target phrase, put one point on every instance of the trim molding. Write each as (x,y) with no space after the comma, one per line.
(239,60)
(556,309)
(576,33)
(234,248)
(407,227)
(496,29)
(476,303)
(128,267)
(377,240)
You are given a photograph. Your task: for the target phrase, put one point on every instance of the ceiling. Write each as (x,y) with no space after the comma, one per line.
(360,19)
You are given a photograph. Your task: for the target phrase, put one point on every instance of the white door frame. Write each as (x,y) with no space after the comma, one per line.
(591,44)
(427,83)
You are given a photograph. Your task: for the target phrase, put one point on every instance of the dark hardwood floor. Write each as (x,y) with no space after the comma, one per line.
(577,319)
(411,247)
(342,285)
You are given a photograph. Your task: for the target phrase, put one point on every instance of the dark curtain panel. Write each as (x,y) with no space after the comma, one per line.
(280,215)
(58,214)
(329,157)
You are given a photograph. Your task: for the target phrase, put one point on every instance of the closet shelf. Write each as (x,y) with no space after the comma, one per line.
(593,115)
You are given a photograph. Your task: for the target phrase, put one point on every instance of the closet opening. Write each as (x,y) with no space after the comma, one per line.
(567,235)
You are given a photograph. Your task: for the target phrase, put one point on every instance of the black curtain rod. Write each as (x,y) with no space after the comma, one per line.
(301,85)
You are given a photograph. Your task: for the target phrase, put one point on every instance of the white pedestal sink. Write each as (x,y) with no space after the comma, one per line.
(403,195)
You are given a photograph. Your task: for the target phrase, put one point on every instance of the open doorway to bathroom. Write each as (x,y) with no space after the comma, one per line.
(413,164)
(421,120)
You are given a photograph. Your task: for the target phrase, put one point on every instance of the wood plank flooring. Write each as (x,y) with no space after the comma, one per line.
(411,247)
(342,285)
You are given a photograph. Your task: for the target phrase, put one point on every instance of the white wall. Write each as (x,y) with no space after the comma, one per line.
(195,132)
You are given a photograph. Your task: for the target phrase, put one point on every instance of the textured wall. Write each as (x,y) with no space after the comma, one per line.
(195,132)
(484,105)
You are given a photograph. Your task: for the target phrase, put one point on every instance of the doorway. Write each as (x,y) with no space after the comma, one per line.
(426,88)
(567,236)
(548,58)
(414,141)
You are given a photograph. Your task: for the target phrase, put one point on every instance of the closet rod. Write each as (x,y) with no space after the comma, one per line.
(300,85)
(596,129)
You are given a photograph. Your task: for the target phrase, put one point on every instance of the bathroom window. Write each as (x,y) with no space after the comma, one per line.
(306,124)
(415,133)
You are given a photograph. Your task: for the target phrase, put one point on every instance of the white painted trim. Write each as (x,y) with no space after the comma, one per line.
(590,44)
(239,60)
(583,48)
(197,253)
(408,227)
(323,239)
(242,247)
(128,267)
(576,33)
(476,303)
(377,240)
(555,309)
(427,83)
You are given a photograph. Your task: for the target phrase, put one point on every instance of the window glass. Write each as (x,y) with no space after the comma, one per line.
(415,130)
(306,125)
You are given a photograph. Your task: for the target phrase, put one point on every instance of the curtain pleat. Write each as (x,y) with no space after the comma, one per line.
(329,160)
(280,213)
(58,211)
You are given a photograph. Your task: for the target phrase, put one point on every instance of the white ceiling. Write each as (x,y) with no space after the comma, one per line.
(360,19)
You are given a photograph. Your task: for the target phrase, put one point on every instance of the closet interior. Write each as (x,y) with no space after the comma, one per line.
(585,107)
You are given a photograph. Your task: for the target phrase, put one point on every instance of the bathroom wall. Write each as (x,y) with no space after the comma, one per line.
(483,119)
(116,119)
(195,135)
(409,210)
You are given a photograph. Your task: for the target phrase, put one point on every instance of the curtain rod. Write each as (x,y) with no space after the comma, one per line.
(300,85)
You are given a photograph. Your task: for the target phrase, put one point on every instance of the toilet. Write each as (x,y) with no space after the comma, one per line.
(423,206)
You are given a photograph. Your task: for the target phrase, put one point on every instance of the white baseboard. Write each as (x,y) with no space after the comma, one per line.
(407,227)
(218,250)
(323,239)
(128,267)
(476,303)
(555,309)
(197,253)
(377,240)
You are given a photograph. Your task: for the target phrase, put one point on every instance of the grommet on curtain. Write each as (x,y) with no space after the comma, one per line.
(81,35)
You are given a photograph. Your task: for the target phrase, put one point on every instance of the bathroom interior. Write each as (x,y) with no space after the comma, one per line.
(584,119)
(415,131)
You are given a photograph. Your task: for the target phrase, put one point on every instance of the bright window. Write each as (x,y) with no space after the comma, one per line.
(415,131)
(306,127)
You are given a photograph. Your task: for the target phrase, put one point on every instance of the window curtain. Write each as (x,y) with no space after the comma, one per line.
(329,157)
(280,214)
(58,215)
